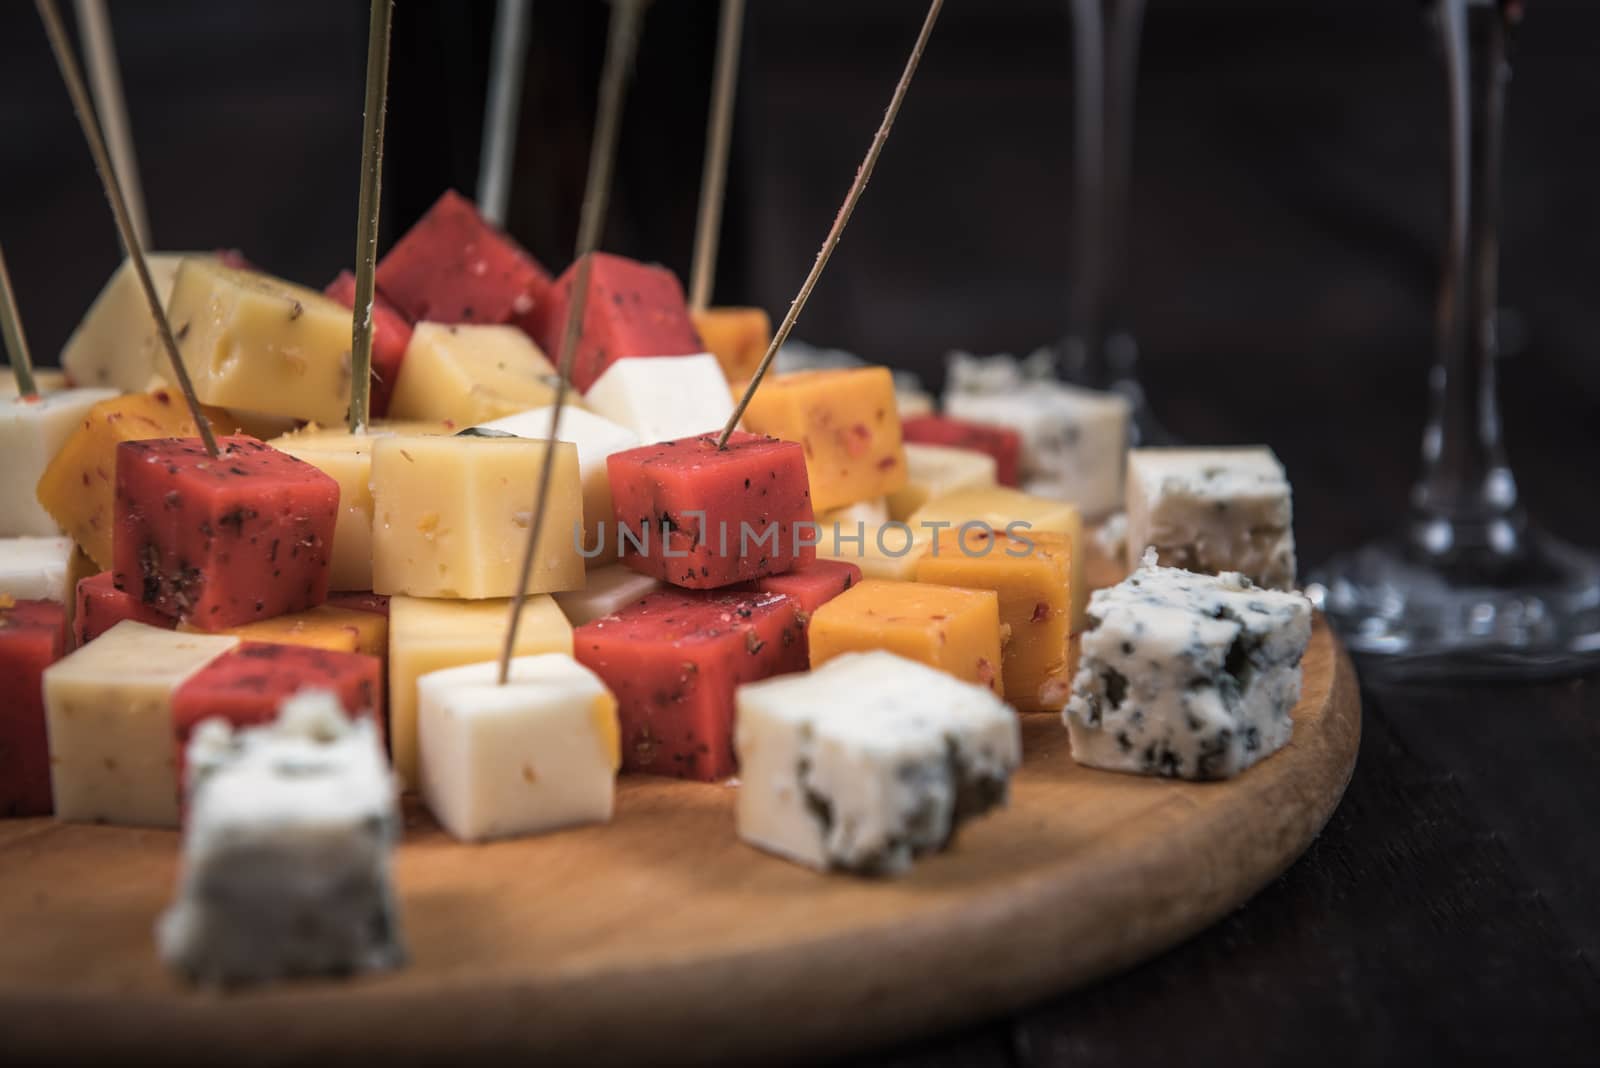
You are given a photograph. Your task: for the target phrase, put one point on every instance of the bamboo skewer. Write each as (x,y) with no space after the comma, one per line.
(376,109)
(621,43)
(119,209)
(105,82)
(16,340)
(501,114)
(714,172)
(829,243)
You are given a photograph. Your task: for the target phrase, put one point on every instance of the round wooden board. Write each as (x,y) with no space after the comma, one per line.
(661,936)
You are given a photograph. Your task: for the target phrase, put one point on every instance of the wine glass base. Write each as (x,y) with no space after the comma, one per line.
(1408,621)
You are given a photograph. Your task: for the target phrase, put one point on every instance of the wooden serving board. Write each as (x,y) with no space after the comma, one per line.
(661,936)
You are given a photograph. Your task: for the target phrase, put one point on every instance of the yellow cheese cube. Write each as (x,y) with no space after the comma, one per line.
(47,379)
(108,708)
(952,629)
(848,424)
(260,344)
(737,337)
(338,630)
(78,489)
(1000,506)
(451,515)
(470,374)
(932,470)
(428,635)
(1032,577)
(116,344)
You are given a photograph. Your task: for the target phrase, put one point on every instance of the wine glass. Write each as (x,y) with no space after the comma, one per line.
(1471,587)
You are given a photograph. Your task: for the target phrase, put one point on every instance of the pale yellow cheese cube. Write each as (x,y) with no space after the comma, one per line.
(470,374)
(117,343)
(428,635)
(888,551)
(108,708)
(933,470)
(261,345)
(451,516)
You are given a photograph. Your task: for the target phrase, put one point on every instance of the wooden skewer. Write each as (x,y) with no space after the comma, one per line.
(621,43)
(501,114)
(857,187)
(367,220)
(119,209)
(105,80)
(714,173)
(16,340)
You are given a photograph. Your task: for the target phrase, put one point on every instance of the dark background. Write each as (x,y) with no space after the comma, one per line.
(1287,216)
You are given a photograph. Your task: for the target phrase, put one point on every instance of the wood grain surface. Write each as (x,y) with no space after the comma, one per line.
(661,936)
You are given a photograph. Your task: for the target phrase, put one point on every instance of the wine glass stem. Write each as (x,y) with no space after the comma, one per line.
(1466,501)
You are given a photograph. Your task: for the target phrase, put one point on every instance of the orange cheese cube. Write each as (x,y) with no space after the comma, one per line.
(952,629)
(737,337)
(337,630)
(846,421)
(1031,574)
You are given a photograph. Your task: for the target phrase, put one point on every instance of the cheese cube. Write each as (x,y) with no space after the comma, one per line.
(109,708)
(428,635)
(1073,440)
(33,636)
(702,517)
(32,431)
(633,309)
(999,442)
(1013,512)
(596,439)
(1032,577)
(1213,510)
(326,627)
(117,345)
(47,379)
(674,658)
(391,334)
(219,542)
(260,344)
(102,606)
(873,512)
(954,630)
(662,398)
(451,516)
(737,337)
(455,267)
(286,852)
(468,374)
(36,569)
(869,762)
(810,585)
(78,488)
(360,601)
(1187,676)
(848,425)
(887,551)
(934,470)
(608,590)
(912,402)
(537,754)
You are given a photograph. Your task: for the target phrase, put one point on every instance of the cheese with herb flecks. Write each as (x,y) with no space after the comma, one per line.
(869,762)
(1187,676)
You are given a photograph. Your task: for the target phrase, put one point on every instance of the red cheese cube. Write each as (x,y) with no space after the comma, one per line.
(391,333)
(33,635)
(246,685)
(702,517)
(1003,443)
(361,601)
(674,658)
(221,542)
(812,584)
(454,267)
(102,606)
(634,309)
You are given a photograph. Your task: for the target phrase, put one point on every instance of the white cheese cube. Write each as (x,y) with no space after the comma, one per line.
(1073,440)
(108,709)
(32,431)
(47,379)
(1187,676)
(117,343)
(873,512)
(934,470)
(608,590)
(663,398)
(596,438)
(869,761)
(537,754)
(37,569)
(1212,510)
(286,853)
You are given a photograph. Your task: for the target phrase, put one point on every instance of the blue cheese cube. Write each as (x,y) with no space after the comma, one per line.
(286,853)
(1212,510)
(1187,676)
(869,761)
